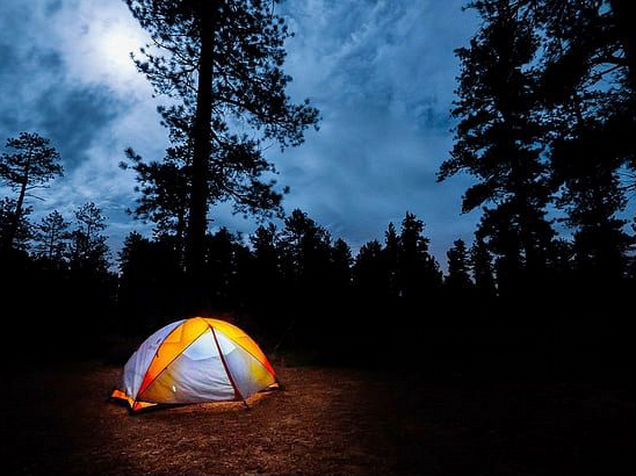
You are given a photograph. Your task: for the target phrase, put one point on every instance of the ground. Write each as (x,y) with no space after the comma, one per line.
(326,421)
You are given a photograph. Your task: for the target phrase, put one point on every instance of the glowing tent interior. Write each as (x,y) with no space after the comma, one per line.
(193,361)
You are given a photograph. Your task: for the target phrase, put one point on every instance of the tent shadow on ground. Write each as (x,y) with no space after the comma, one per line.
(205,407)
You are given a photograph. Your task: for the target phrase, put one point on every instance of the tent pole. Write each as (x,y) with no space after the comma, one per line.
(237,392)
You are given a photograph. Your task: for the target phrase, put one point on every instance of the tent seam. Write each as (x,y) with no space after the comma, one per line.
(225,366)
(251,354)
(183,321)
(169,363)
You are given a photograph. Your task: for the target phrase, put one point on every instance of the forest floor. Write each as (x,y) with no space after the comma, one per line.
(326,421)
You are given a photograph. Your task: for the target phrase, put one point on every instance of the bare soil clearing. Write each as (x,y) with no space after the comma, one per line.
(326,421)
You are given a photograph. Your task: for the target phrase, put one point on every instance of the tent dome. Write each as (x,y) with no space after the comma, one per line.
(192,361)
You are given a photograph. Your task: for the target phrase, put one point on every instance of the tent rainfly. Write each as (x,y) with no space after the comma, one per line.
(193,361)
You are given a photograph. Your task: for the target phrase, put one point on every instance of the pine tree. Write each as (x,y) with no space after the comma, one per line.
(164,192)
(370,276)
(587,42)
(133,247)
(341,261)
(19,235)
(592,197)
(88,249)
(392,253)
(223,61)
(482,269)
(51,238)
(222,268)
(498,138)
(266,285)
(31,165)
(586,81)
(305,243)
(150,290)
(306,249)
(266,251)
(562,259)
(458,279)
(418,273)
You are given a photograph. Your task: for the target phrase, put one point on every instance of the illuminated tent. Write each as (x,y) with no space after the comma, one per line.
(192,361)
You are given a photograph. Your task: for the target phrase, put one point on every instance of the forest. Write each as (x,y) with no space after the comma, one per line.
(544,115)
(543,125)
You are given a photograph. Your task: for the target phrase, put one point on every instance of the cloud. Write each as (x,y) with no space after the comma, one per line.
(381,72)
(383,75)
(65,73)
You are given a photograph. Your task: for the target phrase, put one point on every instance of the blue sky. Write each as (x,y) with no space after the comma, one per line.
(382,74)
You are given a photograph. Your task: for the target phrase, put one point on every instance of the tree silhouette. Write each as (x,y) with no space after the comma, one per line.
(222,267)
(588,43)
(392,257)
(88,250)
(562,260)
(372,304)
(306,254)
(164,190)
(458,278)
(588,96)
(267,288)
(266,251)
(370,276)
(631,260)
(305,244)
(418,272)
(31,165)
(592,197)
(342,261)
(222,59)
(151,283)
(19,235)
(134,244)
(482,269)
(51,237)
(498,138)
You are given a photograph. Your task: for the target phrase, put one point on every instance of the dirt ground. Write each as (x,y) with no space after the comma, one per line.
(326,421)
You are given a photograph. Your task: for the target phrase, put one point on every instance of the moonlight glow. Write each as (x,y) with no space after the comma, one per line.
(114,46)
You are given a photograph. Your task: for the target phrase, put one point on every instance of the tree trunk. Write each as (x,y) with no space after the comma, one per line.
(51,245)
(202,150)
(17,215)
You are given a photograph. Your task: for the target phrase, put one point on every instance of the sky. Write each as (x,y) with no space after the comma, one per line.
(382,74)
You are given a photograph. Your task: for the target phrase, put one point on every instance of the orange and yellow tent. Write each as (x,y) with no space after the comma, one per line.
(192,361)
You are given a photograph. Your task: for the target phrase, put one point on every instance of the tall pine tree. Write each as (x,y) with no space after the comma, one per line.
(586,82)
(222,60)
(498,139)
(418,272)
(482,270)
(31,163)
(458,279)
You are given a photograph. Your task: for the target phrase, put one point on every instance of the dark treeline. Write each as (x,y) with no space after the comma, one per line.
(545,113)
(306,297)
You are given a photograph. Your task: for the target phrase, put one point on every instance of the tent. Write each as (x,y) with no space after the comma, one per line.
(192,361)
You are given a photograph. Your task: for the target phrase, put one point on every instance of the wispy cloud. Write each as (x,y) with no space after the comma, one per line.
(65,72)
(381,72)
(383,75)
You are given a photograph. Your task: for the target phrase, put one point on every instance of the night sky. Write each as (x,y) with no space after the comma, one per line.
(381,73)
